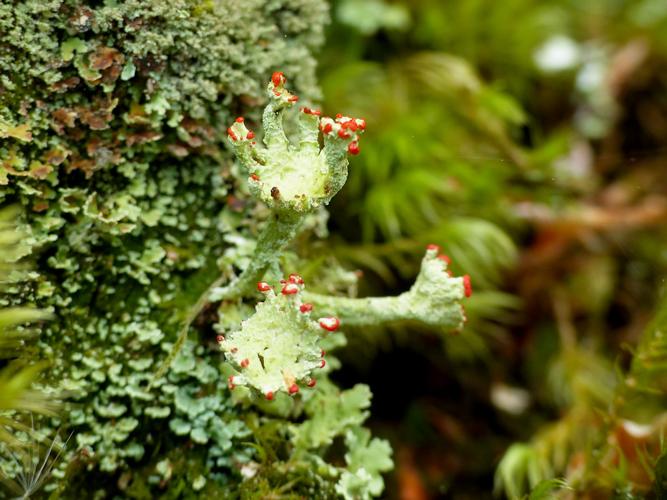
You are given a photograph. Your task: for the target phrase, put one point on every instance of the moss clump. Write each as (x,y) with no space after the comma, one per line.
(112,119)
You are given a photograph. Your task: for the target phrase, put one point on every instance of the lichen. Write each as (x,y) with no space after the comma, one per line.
(434,299)
(279,346)
(113,118)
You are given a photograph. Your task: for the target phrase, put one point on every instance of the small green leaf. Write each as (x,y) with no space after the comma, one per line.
(332,413)
(70,46)
(128,72)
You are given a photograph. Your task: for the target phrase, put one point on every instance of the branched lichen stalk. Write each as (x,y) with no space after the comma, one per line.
(292,180)
(434,299)
(279,231)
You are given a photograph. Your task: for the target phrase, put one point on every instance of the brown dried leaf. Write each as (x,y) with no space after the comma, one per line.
(40,170)
(105,57)
(143,137)
(98,116)
(56,156)
(178,150)
(66,84)
(64,116)
(85,165)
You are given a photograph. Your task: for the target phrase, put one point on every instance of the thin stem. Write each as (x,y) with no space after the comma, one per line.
(279,232)
(358,312)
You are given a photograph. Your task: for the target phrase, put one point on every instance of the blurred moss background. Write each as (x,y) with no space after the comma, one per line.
(528,138)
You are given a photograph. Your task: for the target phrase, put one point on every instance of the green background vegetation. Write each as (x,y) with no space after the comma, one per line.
(527,138)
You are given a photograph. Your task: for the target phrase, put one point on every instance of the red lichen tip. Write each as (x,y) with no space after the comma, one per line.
(323,352)
(342,134)
(433,247)
(295,278)
(467,286)
(323,364)
(445,258)
(230,382)
(240,119)
(327,128)
(220,338)
(330,323)
(269,396)
(350,124)
(245,362)
(231,134)
(311,382)
(293,389)
(293,98)
(309,111)
(361,123)
(290,289)
(306,308)
(278,78)
(251,135)
(353,148)
(255,177)
(338,115)
(263,286)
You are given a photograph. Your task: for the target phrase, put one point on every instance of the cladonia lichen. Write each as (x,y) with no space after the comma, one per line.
(114,121)
(433,299)
(293,180)
(278,347)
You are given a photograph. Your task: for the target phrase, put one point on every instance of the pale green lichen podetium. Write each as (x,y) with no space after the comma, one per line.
(433,299)
(278,347)
(293,180)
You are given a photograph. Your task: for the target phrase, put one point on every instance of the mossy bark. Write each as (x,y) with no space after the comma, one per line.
(112,119)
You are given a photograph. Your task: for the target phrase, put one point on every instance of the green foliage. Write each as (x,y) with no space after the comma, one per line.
(528,116)
(660,486)
(648,372)
(17,393)
(115,118)
(520,469)
(331,413)
(434,125)
(544,489)
(366,460)
(33,463)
